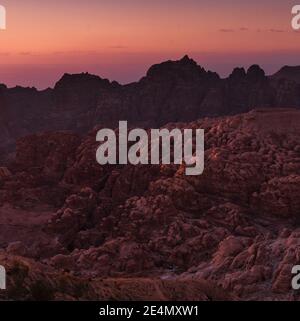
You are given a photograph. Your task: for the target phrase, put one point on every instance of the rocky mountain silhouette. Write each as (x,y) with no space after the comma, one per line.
(170,92)
(289,73)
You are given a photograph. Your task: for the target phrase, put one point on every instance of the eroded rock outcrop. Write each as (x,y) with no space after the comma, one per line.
(236,225)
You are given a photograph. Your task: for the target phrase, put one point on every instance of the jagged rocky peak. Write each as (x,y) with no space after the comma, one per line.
(237,74)
(187,60)
(185,68)
(3,87)
(255,73)
(82,79)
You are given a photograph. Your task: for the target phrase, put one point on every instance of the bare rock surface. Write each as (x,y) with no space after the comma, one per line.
(236,226)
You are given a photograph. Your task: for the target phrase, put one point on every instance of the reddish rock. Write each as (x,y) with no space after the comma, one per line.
(236,225)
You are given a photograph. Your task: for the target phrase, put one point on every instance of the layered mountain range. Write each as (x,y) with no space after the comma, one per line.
(171,91)
(74,230)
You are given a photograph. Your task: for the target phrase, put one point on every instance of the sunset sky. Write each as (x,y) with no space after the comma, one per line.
(120,39)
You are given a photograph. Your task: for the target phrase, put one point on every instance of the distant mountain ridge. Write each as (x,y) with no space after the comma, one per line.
(288,72)
(172,91)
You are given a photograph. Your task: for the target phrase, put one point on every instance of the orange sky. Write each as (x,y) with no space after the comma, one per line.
(114,33)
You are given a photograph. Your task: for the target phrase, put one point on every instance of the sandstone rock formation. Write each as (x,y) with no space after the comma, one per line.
(34,281)
(236,227)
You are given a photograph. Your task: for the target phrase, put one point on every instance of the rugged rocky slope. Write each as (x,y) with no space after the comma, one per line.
(29,280)
(171,91)
(235,227)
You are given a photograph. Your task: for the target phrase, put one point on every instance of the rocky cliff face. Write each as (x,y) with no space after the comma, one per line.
(236,227)
(170,92)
